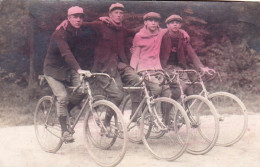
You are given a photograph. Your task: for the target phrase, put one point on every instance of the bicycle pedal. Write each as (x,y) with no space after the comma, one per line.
(106,132)
(108,135)
(72,131)
(71,121)
(67,137)
(194,125)
(120,135)
(67,141)
(70,141)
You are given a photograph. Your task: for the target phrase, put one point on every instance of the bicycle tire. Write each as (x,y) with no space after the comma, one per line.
(155,133)
(204,119)
(133,128)
(106,148)
(174,142)
(232,111)
(46,125)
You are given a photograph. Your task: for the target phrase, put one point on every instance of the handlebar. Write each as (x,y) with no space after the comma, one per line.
(148,73)
(87,74)
(201,76)
(106,75)
(83,75)
(170,76)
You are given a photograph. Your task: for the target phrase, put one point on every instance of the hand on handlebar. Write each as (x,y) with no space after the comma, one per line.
(207,70)
(84,73)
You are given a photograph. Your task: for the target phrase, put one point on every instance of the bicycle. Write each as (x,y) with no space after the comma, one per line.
(176,132)
(106,145)
(231,110)
(202,115)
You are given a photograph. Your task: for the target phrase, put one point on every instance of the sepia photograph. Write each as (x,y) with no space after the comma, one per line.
(104,83)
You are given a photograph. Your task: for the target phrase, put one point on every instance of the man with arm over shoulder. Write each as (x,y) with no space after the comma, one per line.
(61,67)
(177,53)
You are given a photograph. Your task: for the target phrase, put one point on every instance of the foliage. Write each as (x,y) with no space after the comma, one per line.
(14,21)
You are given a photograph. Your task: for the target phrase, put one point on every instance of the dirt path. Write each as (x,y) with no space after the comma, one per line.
(19,148)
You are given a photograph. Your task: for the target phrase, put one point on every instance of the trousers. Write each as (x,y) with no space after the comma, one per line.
(59,90)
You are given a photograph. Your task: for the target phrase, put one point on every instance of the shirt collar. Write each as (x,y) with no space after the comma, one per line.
(73,30)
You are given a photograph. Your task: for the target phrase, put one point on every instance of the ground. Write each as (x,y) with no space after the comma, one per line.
(19,147)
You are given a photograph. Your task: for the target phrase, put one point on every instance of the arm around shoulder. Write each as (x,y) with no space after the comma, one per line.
(185,34)
(92,24)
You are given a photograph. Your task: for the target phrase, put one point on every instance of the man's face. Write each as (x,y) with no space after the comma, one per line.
(76,20)
(151,24)
(117,15)
(174,26)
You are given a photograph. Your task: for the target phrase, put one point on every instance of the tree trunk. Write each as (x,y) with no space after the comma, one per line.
(30,32)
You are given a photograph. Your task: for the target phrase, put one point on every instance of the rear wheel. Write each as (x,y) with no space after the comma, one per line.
(204,124)
(174,141)
(106,145)
(232,111)
(47,126)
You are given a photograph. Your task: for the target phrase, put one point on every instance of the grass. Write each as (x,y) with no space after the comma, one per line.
(16,108)
(17,115)
(251,101)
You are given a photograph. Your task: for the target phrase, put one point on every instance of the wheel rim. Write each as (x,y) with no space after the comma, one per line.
(107,147)
(231,111)
(47,127)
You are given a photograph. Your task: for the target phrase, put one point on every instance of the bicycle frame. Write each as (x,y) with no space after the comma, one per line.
(203,92)
(89,101)
(85,87)
(148,100)
(183,96)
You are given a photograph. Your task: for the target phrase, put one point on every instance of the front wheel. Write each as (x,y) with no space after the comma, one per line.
(204,122)
(47,126)
(133,127)
(105,144)
(174,141)
(232,111)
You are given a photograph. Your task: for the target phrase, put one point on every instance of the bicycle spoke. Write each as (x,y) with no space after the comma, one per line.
(231,111)
(204,124)
(47,130)
(103,141)
(164,142)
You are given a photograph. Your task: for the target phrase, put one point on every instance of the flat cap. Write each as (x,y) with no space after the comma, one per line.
(115,6)
(173,18)
(75,10)
(152,15)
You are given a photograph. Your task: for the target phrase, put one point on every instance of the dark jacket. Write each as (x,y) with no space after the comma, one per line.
(60,58)
(182,56)
(110,47)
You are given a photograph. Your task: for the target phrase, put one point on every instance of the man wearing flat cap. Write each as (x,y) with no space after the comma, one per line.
(146,51)
(110,54)
(177,53)
(61,66)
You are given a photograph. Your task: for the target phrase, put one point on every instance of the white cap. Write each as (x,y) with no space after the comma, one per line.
(75,10)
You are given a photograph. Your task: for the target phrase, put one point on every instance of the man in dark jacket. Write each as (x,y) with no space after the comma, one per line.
(177,53)
(110,55)
(61,66)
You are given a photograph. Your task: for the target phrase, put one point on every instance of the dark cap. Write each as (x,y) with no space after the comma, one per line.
(173,18)
(115,6)
(152,15)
